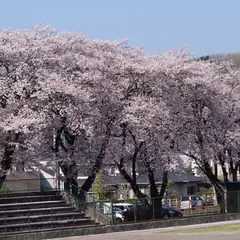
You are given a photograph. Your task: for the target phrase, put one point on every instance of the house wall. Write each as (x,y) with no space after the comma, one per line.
(183,189)
(217,170)
(17,181)
(49,182)
(22,181)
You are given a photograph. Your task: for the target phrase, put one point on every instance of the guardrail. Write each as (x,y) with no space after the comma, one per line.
(76,197)
(101,211)
(202,210)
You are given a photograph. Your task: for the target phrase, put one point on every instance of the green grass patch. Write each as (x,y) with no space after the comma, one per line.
(4,190)
(231,228)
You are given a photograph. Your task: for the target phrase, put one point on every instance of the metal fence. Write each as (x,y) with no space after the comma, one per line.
(114,211)
(232,199)
(49,216)
(154,208)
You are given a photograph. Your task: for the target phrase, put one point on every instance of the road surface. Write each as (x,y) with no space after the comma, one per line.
(165,234)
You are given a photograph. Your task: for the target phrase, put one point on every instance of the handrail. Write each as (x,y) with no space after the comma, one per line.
(78,200)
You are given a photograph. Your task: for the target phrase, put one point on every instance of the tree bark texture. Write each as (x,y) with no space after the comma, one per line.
(7,158)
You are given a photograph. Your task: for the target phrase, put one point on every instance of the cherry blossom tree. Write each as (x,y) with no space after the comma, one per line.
(18,85)
(89,102)
(66,85)
(142,143)
(200,97)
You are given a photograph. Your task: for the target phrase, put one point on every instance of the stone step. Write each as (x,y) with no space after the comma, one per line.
(8,234)
(25,194)
(45,225)
(32,205)
(36,211)
(36,198)
(31,212)
(42,218)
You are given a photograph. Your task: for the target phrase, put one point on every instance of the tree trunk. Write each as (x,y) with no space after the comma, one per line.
(141,197)
(164,185)
(234,175)
(233,169)
(132,180)
(222,161)
(20,166)
(9,150)
(155,195)
(70,172)
(225,174)
(155,198)
(215,169)
(98,164)
(69,168)
(215,182)
(153,187)
(220,197)
(205,167)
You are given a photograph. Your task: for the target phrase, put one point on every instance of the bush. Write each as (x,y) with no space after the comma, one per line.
(4,190)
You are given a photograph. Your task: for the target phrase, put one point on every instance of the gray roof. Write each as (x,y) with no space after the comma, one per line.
(143,179)
(17,175)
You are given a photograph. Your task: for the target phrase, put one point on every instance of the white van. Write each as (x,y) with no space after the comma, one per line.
(191,202)
(124,206)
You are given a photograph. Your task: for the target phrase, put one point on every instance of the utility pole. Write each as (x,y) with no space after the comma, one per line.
(56,161)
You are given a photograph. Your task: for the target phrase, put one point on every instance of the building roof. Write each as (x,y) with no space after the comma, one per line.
(17,175)
(143,179)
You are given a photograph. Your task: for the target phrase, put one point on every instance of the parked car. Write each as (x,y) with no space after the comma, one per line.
(191,202)
(167,211)
(124,206)
(118,210)
(142,212)
(118,213)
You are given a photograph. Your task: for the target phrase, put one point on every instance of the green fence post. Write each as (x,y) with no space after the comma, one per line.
(238,202)
(94,210)
(225,203)
(153,208)
(135,212)
(112,213)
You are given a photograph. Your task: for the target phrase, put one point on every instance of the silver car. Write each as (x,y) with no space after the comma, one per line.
(191,202)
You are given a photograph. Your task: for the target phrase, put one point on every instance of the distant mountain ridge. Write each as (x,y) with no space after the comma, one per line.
(235,57)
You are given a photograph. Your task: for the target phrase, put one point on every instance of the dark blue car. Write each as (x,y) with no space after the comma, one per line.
(166,211)
(142,213)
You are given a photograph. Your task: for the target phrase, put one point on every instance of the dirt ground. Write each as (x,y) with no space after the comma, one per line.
(212,231)
(151,236)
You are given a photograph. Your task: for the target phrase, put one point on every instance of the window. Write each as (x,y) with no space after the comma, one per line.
(112,171)
(191,190)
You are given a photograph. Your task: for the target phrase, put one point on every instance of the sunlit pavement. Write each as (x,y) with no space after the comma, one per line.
(158,234)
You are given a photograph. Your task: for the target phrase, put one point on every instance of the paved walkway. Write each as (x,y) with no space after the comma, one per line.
(158,234)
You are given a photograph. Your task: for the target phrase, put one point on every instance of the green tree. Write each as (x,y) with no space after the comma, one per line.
(203,58)
(100,189)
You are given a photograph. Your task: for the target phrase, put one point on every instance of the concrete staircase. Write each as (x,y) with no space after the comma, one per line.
(36,211)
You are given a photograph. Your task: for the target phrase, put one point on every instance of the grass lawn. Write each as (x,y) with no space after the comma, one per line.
(231,228)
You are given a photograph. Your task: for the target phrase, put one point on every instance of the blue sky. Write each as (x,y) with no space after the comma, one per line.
(205,26)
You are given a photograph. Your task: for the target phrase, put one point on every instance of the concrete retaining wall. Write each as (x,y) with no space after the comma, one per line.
(88,208)
(123,227)
(70,200)
(97,216)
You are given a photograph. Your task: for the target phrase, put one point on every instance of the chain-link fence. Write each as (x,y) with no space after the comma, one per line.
(156,208)
(120,211)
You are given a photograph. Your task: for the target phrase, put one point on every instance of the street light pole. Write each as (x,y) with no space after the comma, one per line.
(56,160)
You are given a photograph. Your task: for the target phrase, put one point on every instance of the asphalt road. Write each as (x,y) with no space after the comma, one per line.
(158,234)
